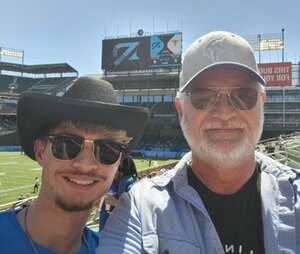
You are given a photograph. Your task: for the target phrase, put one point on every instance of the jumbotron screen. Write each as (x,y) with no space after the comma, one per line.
(142,53)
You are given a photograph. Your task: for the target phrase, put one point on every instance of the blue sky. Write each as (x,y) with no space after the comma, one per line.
(54,31)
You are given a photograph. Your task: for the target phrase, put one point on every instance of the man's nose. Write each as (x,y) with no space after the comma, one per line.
(86,160)
(223,107)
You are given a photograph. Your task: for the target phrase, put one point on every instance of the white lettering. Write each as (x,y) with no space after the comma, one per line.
(240,249)
(229,248)
(283,69)
(236,249)
(283,77)
(266,70)
(269,78)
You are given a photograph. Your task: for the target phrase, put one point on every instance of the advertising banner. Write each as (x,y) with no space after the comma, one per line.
(276,74)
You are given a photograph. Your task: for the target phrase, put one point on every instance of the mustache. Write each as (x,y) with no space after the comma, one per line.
(224,125)
(86,174)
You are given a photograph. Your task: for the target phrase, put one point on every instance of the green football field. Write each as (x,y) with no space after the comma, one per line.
(17,174)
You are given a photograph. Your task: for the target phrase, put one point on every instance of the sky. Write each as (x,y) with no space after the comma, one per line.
(58,31)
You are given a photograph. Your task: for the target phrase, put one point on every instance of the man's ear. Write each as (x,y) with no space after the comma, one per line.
(178,108)
(39,148)
(264,97)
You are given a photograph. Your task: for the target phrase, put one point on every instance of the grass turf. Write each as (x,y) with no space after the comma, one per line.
(17,174)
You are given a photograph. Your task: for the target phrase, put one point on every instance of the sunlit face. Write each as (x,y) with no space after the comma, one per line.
(74,185)
(222,136)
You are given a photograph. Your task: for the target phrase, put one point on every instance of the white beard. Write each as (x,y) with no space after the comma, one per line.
(227,155)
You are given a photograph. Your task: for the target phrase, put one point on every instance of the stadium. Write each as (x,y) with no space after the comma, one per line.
(144,70)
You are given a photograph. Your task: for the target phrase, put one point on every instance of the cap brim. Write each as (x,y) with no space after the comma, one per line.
(253,73)
(37,112)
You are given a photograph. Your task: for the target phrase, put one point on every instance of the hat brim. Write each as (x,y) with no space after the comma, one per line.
(253,73)
(37,112)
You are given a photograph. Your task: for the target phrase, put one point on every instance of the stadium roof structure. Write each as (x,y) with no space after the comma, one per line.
(38,68)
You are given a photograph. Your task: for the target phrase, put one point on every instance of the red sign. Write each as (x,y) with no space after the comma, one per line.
(276,74)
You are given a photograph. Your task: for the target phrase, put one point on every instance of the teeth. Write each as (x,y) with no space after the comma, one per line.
(81,182)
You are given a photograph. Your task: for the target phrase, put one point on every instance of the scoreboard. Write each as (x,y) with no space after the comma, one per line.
(142,53)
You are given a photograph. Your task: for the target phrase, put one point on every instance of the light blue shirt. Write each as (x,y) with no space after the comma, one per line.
(166,215)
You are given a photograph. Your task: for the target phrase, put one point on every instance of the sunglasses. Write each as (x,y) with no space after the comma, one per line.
(68,147)
(241,98)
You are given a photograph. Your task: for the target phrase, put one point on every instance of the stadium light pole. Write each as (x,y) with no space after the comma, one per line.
(23,61)
(259,51)
(282,38)
(153,24)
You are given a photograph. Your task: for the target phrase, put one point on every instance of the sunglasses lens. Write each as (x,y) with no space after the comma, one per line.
(107,152)
(66,147)
(202,98)
(244,98)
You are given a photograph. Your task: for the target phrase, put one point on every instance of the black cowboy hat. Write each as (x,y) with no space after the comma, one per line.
(89,99)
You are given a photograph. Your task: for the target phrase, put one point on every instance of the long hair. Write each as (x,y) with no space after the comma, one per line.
(127,167)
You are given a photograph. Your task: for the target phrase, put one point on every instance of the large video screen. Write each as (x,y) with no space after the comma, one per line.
(142,53)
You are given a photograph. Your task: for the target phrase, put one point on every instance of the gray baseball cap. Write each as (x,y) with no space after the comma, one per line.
(218,49)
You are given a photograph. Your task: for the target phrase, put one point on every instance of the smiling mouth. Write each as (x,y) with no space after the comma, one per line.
(224,134)
(224,129)
(80,182)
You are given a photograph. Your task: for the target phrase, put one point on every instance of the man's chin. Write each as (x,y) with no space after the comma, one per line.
(225,155)
(226,147)
(69,206)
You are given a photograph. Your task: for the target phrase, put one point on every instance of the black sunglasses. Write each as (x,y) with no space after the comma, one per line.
(68,147)
(242,98)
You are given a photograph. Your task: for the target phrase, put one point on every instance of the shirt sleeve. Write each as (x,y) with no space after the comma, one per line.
(122,232)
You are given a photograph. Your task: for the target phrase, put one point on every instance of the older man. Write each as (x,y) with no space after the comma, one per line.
(222,197)
(78,140)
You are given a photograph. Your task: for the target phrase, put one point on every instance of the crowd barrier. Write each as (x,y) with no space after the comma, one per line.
(10,148)
(157,154)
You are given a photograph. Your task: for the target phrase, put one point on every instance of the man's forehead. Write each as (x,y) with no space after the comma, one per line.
(223,77)
(91,131)
(69,128)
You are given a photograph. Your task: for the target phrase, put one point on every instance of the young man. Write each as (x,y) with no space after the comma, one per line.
(222,197)
(78,140)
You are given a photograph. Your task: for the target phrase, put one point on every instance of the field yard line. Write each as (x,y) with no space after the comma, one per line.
(10,157)
(17,188)
(35,169)
(19,177)
(9,163)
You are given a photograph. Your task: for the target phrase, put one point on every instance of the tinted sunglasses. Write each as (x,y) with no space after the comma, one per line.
(241,98)
(68,147)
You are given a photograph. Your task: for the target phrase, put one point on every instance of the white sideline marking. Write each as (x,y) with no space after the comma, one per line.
(2,173)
